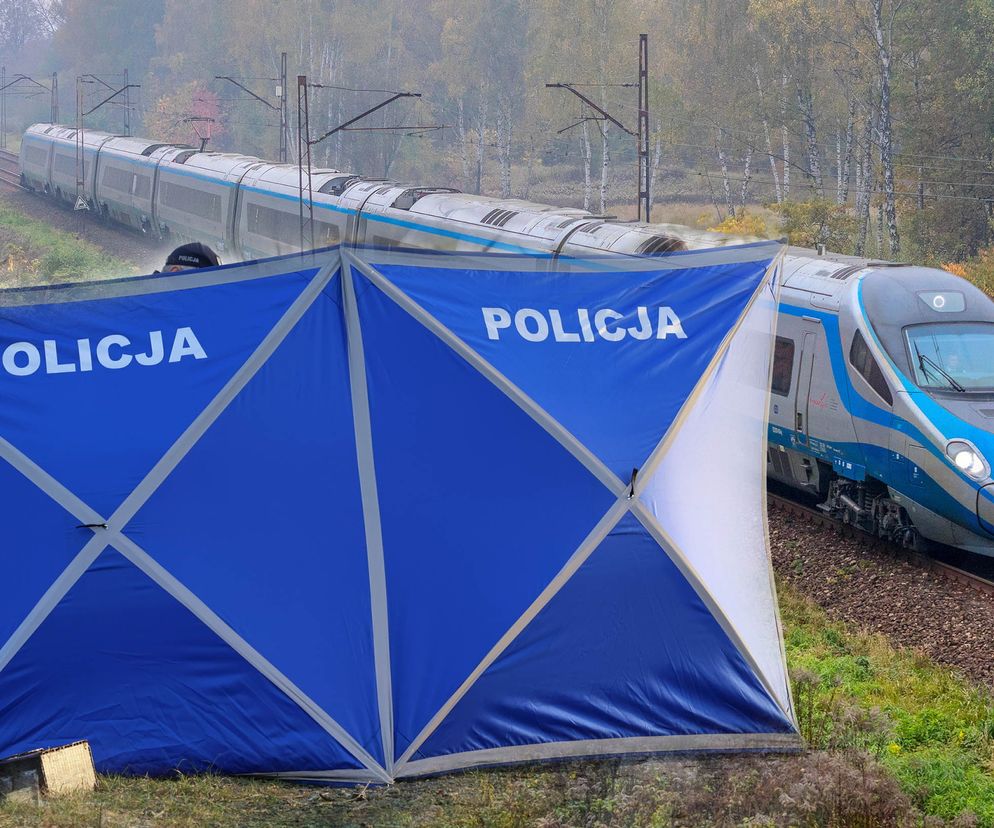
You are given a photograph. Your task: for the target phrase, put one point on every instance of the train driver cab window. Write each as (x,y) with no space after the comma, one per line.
(862,360)
(783,365)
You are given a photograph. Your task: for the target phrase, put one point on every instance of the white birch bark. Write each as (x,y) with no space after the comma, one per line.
(769,141)
(605,160)
(723,162)
(886,137)
(746,176)
(785,135)
(804,101)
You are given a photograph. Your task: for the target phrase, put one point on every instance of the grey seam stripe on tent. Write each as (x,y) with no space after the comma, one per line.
(348,775)
(371,513)
(576,560)
(48,484)
(141,559)
(603,747)
(143,285)
(147,487)
(552,426)
(659,452)
(675,554)
(53,595)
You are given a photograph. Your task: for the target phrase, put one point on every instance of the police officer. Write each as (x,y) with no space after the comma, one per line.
(188,256)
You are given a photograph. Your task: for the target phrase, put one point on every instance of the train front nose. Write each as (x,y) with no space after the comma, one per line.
(985,508)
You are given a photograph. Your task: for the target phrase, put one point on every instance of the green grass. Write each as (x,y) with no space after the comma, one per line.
(33,252)
(893,736)
(933,730)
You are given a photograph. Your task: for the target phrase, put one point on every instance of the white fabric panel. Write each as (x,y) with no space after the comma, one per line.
(709,491)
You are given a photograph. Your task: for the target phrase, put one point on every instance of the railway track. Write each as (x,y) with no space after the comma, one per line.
(10,169)
(943,568)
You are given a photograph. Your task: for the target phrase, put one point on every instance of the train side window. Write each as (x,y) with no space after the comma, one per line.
(862,360)
(783,365)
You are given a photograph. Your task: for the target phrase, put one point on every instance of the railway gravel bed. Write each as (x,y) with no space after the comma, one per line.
(912,607)
(145,254)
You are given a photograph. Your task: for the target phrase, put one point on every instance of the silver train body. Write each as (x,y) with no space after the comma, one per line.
(882,405)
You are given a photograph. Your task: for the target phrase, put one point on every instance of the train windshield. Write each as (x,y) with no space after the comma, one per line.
(953,357)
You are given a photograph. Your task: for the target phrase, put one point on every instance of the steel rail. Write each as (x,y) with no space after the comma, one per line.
(941,568)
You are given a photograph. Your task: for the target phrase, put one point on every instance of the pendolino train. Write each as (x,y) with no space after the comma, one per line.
(882,398)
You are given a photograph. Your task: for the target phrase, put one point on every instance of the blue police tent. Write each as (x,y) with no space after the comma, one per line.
(364,515)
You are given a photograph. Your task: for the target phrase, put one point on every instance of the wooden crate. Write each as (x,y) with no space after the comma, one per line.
(48,772)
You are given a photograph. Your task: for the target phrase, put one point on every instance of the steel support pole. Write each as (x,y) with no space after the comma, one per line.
(127,105)
(304,158)
(3,107)
(645,172)
(284,126)
(55,97)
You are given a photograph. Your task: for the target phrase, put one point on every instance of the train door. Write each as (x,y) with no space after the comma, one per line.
(802,395)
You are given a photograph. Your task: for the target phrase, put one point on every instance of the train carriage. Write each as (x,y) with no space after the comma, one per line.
(36,155)
(126,181)
(269,217)
(196,196)
(64,178)
(888,432)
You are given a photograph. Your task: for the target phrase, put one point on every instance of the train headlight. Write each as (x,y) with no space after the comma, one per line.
(967,459)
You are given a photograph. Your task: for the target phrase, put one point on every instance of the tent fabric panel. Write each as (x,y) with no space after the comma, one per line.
(40,539)
(121,663)
(480,507)
(626,649)
(130,413)
(616,385)
(269,532)
(724,438)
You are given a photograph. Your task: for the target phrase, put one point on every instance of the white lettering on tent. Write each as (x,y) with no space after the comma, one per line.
(114,351)
(85,355)
(186,344)
(600,322)
(29,365)
(156,351)
(106,358)
(52,364)
(534,325)
(495,319)
(541,331)
(669,323)
(558,332)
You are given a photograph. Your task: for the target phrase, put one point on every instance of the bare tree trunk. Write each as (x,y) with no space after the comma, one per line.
(804,101)
(463,148)
(746,176)
(844,171)
(586,166)
(785,135)
(723,161)
(605,160)
(769,141)
(864,187)
(504,144)
(880,229)
(481,125)
(886,145)
(530,167)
